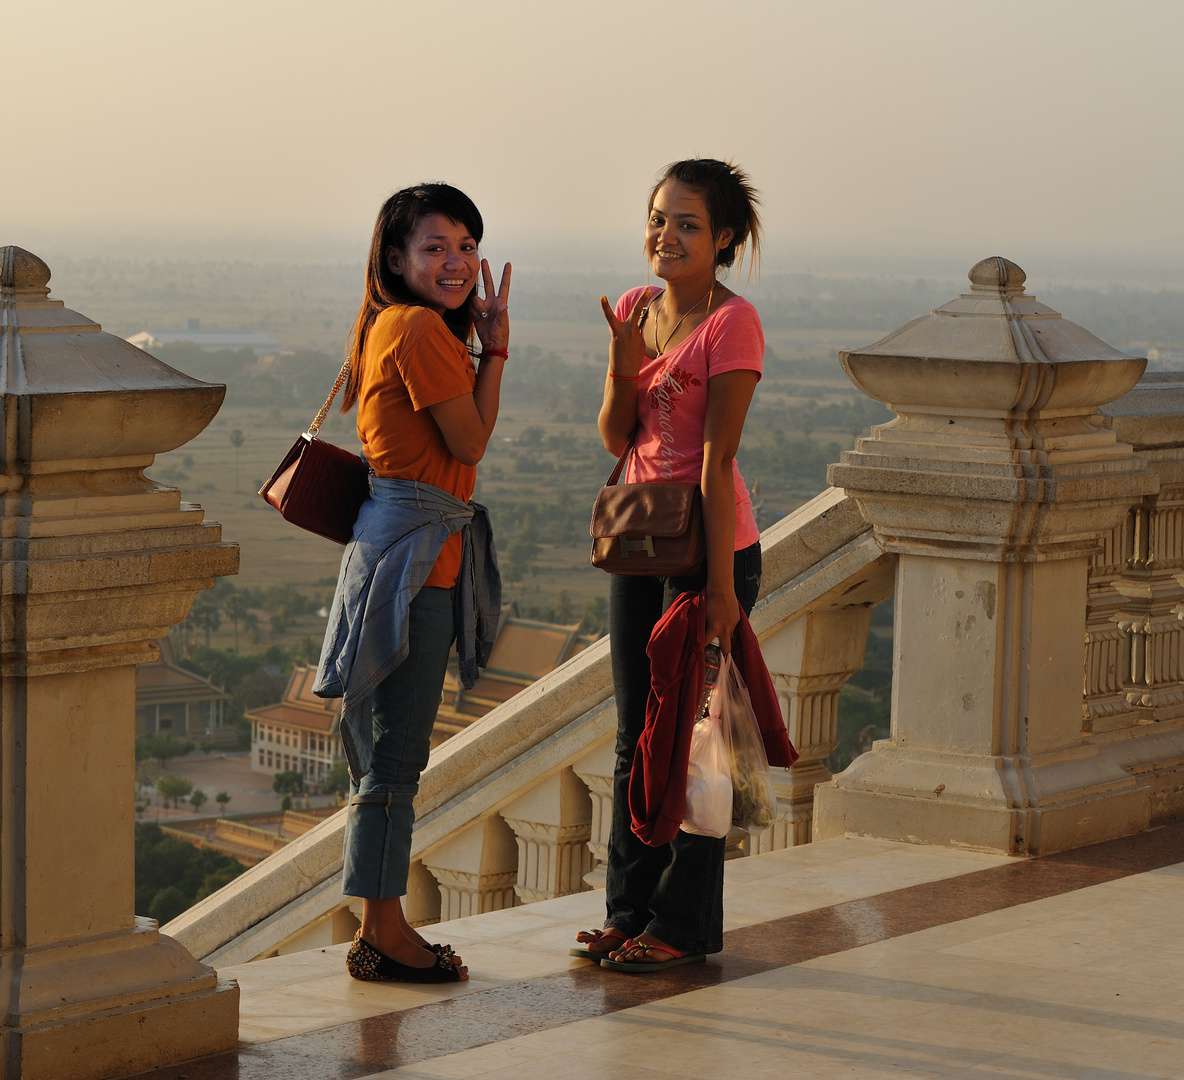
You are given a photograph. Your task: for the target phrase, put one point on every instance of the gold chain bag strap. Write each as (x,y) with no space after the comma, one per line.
(654,529)
(318,486)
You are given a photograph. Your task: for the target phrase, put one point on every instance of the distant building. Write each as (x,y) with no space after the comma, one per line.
(525,651)
(209,340)
(1165,354)
(297,735)
(173,701)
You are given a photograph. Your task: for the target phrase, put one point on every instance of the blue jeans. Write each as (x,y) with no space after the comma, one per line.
(403,711)
(675,891)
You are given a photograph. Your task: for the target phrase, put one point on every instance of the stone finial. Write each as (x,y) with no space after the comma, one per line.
(92,394)
(992,391)
(995,347)
(997,274)
(22,271)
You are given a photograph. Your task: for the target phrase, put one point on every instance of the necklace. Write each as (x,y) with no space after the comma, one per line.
(658,346)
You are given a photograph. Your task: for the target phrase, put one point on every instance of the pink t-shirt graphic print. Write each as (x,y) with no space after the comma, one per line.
(672,399)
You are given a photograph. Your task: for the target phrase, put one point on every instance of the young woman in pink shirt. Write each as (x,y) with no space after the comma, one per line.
(684,361)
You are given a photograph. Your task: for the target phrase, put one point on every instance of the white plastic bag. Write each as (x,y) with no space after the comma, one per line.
(709,786)
(754,802)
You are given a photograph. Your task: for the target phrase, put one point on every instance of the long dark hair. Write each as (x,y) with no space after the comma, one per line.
(731,200)
(397,220)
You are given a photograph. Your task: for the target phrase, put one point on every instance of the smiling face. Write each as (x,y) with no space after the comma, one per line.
(678,240)
(439,264)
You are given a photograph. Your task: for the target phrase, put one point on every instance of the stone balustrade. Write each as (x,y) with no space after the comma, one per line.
(97,562)
(993,525)
(517,807)
(1026,509)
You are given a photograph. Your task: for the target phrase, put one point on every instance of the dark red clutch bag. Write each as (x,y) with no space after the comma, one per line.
(318,486)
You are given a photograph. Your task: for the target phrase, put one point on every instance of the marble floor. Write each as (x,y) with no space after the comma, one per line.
(852,958)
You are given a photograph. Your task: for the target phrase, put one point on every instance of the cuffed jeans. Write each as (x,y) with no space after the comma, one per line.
(676,891)
(403,710)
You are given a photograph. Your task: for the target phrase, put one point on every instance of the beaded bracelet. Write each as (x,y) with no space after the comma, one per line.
(491,350)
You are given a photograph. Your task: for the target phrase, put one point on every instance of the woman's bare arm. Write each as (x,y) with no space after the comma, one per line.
(728,397)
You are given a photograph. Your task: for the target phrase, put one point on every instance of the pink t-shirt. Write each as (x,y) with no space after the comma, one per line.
(672,399)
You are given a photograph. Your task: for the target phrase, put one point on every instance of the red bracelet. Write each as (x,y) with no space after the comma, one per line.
(491,350)
(624,378)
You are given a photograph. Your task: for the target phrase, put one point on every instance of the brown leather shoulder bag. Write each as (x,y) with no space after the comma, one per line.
(654,529)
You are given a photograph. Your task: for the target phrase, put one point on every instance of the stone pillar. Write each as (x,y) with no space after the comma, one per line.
(476,869)
(97,563)
(993,487)
(553,823)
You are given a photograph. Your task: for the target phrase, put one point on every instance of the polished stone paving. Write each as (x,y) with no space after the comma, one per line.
(851,958)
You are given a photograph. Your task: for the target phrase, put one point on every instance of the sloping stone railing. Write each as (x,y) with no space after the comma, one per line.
(516,808)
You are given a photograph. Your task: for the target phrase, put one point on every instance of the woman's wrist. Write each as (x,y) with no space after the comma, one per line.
(502,351)
(623,378)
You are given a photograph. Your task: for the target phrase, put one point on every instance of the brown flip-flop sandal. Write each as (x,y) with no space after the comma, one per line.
(636,967)
(610,934)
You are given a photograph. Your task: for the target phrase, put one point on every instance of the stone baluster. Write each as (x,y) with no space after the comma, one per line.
(596,770)
(98,562)
(993,486)
(810,659)
(553,824)
(476,870)
(1135,640)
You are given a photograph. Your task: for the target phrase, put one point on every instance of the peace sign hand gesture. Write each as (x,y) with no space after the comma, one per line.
(626,350)
(491,313)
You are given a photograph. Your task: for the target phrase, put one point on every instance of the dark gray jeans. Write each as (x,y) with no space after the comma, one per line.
(403,709)
(676,891)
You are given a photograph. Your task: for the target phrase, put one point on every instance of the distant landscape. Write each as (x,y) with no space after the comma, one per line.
(545,461)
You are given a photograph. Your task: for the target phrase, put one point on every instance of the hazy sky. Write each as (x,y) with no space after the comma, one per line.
(1024,128)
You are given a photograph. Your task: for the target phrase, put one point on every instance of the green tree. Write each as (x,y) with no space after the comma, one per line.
(165,861)
(237,438)
(595,615)
(174,787)
(519,558)
(167,904)
(565,610)
(198,799)
(204,615)
(213,882)
(161,747)
(337,778)
(222,798)
(288,783)
(235,607)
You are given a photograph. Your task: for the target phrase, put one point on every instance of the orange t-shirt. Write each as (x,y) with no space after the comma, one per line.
(411,361)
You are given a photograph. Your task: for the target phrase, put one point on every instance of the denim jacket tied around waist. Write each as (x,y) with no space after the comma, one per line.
(397,538)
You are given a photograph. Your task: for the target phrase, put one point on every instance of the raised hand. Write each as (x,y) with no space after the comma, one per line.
(626,350)
(491,313)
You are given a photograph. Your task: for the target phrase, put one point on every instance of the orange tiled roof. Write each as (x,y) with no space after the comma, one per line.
(163,681)
(293,717)
(530,649)
(300,707)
